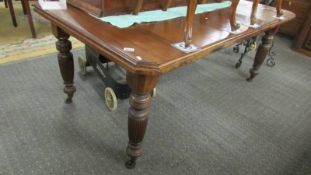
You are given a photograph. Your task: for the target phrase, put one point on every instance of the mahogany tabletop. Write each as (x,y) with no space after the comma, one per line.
(152,42)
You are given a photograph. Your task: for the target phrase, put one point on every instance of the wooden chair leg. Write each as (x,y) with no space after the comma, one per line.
(24,7)
(139,4)
(5,3)
(254,11)
(233,23)
(192,4)
(167,5)
(278,6)
(11,8)
(29,16)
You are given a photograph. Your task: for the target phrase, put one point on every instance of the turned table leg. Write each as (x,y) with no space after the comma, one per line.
(261,53)
(192,4)
(140,103)
(65,61)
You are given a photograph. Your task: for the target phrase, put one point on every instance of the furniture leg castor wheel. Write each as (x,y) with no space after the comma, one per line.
(111,99)
(236,49)
(270,62)
(253,73)
(82,65)
(130,164)
(154,92)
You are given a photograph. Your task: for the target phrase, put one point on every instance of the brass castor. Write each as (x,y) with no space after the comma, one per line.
(111,99)
(82,65)
(130,164)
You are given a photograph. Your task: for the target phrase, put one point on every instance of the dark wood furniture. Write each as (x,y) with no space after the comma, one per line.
(300,27)
(26,11)
(154,54)
(303,40)
(301,8)
(108,7)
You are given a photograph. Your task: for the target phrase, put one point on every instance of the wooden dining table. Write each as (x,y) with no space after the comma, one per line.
(154,54)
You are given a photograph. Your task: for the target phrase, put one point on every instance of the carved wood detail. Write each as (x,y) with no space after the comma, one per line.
(140,103)
(65,61)
(261,53)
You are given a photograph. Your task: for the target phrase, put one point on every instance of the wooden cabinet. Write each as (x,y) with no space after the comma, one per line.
(303,40)
(300,27)
(307,44)
(301,8)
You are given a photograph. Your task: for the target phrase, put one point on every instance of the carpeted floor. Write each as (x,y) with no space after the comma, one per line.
(206,119)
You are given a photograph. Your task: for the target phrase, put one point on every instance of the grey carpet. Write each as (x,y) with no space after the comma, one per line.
(206,119)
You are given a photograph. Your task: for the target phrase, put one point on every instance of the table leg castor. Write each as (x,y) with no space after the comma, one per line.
(253,73)
(130,164)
